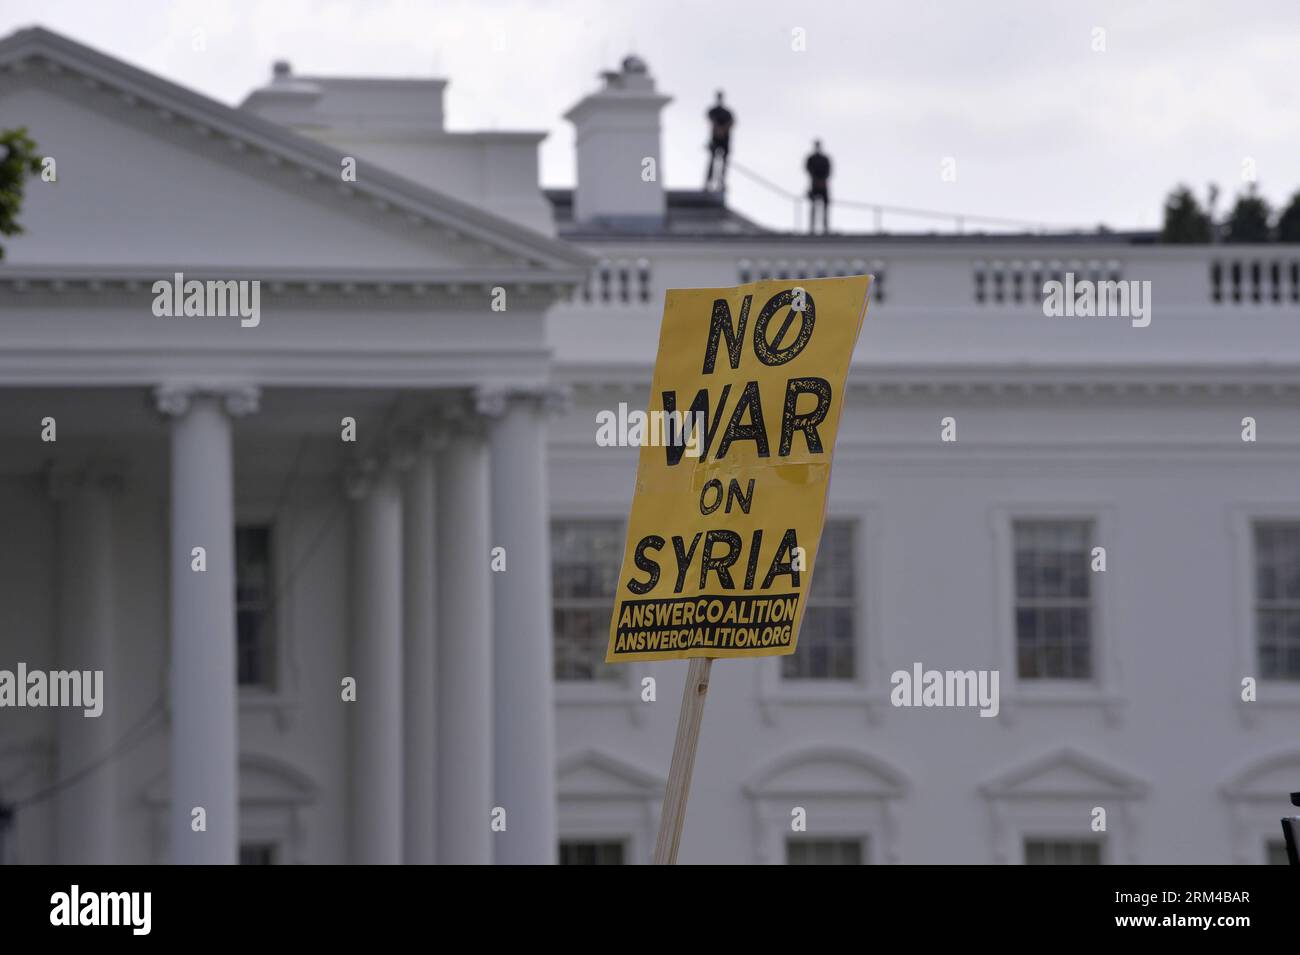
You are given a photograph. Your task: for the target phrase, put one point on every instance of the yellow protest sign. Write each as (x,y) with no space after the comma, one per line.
(731,484)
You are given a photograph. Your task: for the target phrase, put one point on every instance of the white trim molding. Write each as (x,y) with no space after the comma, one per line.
(274,796)
(1053,795)
(1008,381)
(603,797)
(848,793)
(1256,794)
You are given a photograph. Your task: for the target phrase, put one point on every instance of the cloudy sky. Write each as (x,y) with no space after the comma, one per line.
(1042,124)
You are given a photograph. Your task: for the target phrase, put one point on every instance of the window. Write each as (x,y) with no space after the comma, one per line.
(257,853)
(254,601)
(1277,599)
(585,559)
(594,852)
(1062,852)
(825,852)
(1053,600)
(827,649)
(1275,852)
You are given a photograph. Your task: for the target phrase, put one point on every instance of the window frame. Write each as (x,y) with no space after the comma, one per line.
(623,843)
(280,700)
(1258,606)
(583,603)
(270,602)
(1087,603)
(853,603)
(869,688)
(1255,798)
(1103,689)
(1027,801)
(277,801)
(622,690)
(1058,837)
(605,797)
(847,792)
(1271,695)
(271,846)
(862,839)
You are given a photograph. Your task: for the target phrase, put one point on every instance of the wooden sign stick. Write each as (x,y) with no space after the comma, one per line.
(673,815)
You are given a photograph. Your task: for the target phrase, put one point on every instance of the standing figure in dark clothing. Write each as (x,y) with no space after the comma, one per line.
(819,193)
(720,123)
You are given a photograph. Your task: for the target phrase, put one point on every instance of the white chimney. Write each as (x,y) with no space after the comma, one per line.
(617,131)
(313,103)
(397,124)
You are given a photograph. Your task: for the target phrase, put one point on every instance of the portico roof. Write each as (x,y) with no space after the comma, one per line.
(38,48)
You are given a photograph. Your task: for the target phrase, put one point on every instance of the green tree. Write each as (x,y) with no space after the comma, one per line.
(18,158)
(1248,220)
(1185,220)
(1288,223)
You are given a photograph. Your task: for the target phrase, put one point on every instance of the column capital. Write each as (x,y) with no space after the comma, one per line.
(493,400)
(462,414)
(174,400)
(409,443)
(361,475)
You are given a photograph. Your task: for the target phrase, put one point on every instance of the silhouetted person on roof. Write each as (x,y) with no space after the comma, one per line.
(819,193)
(720,122)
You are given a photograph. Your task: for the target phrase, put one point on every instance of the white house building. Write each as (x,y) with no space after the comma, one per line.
(387,646)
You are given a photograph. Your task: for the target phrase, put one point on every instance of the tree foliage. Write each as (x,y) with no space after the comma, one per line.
(1248,220)
(1288,223)
(1185,220)
(18,159)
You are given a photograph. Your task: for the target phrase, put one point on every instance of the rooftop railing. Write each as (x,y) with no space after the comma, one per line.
(942,273)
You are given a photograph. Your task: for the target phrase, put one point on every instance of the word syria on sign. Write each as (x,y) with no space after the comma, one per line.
(728,511)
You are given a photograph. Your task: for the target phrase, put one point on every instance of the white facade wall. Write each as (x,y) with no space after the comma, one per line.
(933,574)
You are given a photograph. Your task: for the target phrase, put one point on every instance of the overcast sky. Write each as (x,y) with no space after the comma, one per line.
(1042,127)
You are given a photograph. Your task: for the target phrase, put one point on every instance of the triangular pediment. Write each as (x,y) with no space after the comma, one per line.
(151,173)
(1270,778)
(828,771)
(1065,773)
(594,774)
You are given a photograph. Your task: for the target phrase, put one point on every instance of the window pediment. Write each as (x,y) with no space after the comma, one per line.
(594,774)
(1065,772)
(828,771)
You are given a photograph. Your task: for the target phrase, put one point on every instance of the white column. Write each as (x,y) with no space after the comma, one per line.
(376,724)
(464,650)
(204,715)
(419,696)
(84,810)
(523,674)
